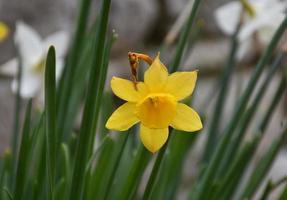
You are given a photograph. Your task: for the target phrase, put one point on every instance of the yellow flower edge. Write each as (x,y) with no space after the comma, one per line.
(155,104)
(4,31)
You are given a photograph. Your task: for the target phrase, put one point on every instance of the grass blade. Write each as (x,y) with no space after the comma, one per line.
(155,171)
(215,161)
(184,36)
(262,168)
(23,159)
(86,134)
(220,102)
(239,135)
(117,162)
(135,174)
(8,193)
(50,111)
(66,84)
(16,122)
(234,173)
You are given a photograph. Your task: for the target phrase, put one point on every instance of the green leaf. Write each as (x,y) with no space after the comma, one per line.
(215,161)
(247,118)
(262,168)
(23,158)
(67,82)
(86,133)
(121,146)
(16,123)
(171,172)
(212,138)
(50,112)
(99,176)
(184,37)
(283,195)
(235,172)
(135,173)
(155,171)
(8,193)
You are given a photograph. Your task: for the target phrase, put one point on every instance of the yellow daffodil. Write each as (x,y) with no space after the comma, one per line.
(155,104)
(4,31)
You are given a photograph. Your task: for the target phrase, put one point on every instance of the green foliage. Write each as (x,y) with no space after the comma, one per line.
(57,161)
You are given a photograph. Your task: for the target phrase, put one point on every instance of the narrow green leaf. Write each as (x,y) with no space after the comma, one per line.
(99,176)
(66,120)
(155,171)
(283,195)
(66,170)
(50,111)
(23,158)
(212,138)
(16,123)
(5,171)
(67,82)
(102,74)
(235,171)
(238,136)
(86,135)
(184,36)
(8,193)
(116,164)
(135,173)
(262,167)
(171,172)
(215,161)
(266,190)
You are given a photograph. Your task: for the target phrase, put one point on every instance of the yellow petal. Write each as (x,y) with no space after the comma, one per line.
(186,119)
(123,118)
(181,84)
(4,31)
(153,139)
(156,75)
(126,90)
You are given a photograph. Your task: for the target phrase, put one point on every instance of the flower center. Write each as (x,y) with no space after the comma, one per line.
(156,110)
(39,67)
(248,8)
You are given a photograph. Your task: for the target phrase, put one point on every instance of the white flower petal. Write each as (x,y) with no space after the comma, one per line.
(59,68)
(29,42)
(9,68)
(228,16)
(60,41)
(265,20)
(30,85)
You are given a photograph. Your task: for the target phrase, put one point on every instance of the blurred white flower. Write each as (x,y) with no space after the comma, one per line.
(259,20)
(33,50)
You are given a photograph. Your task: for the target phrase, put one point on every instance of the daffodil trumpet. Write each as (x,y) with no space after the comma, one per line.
(155,103)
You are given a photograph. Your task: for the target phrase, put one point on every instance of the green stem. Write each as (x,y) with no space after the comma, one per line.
(217,113)
(155,171)
(115,167)
(135,174)
(184,36)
